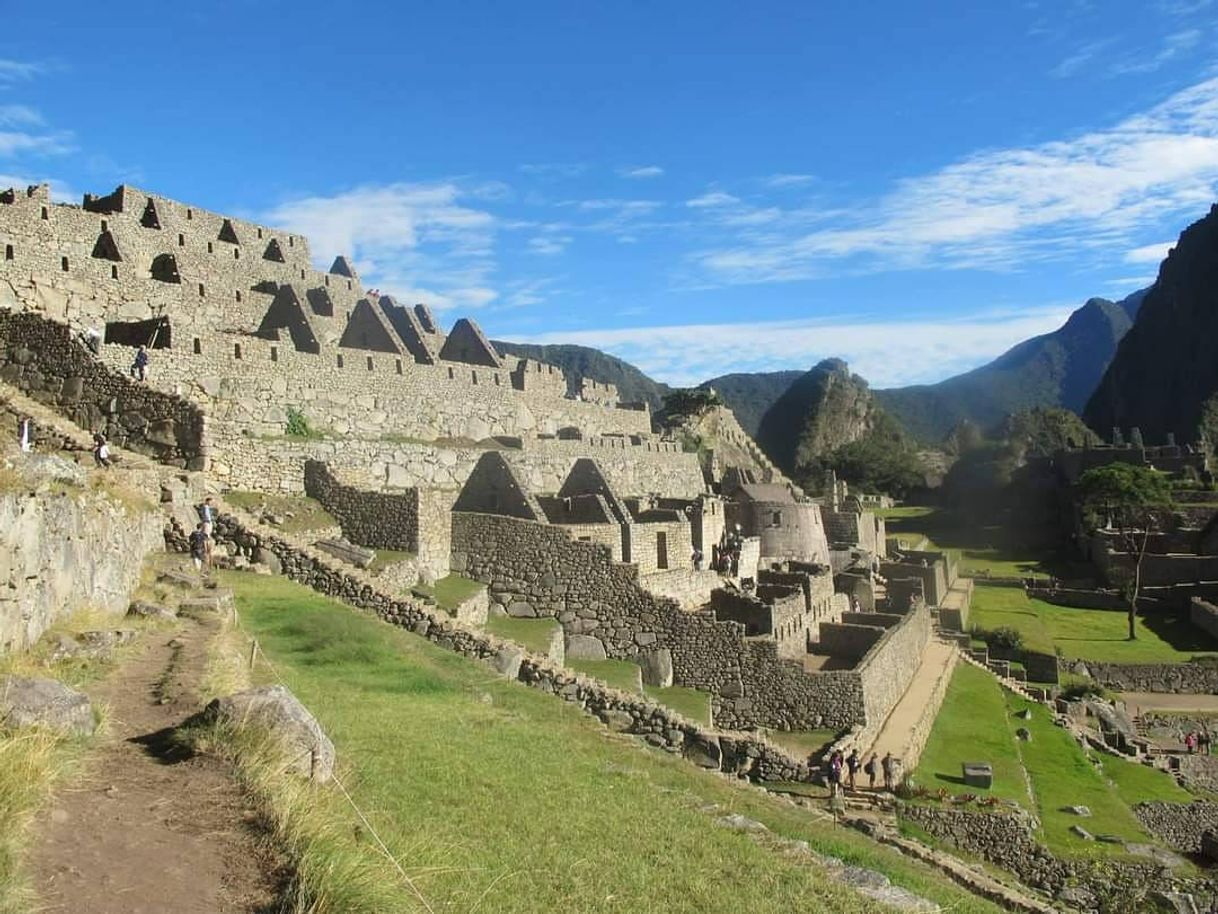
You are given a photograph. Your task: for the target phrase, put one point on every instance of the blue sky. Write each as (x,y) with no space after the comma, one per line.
(697,187)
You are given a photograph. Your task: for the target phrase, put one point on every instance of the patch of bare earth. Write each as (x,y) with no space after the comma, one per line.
(146,831)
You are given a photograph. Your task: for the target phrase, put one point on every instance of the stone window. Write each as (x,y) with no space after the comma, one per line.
(202,291)
(661,550)
(181,241)
(46,213)
(473,376)
(236,350)
(302,276)
(154,333)
(291,241)
(369,363)
(8,252)
(114,271)
(340,361)
(211,249)
(105,226)
(274,353)
(259,233)
(63,262)
(398,365)
(348,285)
(165,268)
(496,379)
(326,277)
(236,253)
(198,346)
(776,519)
(450,374)
(238,295)
(190,213)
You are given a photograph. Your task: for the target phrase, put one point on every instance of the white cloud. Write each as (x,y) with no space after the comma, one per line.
(549,244)
(1080,58)
(18,142)
(641,171)
(1149,253)
(1171,47)
(714,198)
(887,353)
(788,180)
(420,242)
(19,116)
(1001,208)
(12,71)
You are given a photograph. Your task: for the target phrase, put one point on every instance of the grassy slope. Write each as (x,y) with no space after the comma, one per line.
(977,723)
(1090,634)
(499,798)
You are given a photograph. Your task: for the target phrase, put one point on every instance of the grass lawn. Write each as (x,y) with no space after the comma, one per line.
(972,726)
(307,513)
(690,702)
(802,743)
(1089,634)
(453,590)
(903,512)
(1062,775)
(621,674)
(980,552)
(386,557)
(500,798)
(534,634)
(1136,783)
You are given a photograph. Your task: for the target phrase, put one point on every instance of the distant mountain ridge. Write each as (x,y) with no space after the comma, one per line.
(1166,367)
(1057,369)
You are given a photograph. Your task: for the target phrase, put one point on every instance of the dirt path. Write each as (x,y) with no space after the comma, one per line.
(1147,702)
(143,832)
(897,734)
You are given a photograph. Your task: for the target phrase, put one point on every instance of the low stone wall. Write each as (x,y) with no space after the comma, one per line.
(1184,678)
(887,669)
(64,548)
(1005,840)
(377,520)
(849,642)
(40,357)
(736,753)
(1179,825)
(689,588)
(1199,773)
(1204,615)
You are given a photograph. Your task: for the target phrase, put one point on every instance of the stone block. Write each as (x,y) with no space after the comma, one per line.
(507,661)
(308,750)
(347,552)
(44,703)
(584,647)
(521,610)
(978,774)
(657,667)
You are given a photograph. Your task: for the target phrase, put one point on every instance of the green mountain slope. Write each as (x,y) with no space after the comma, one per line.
(1167,365)
(579,362)
(1058,369)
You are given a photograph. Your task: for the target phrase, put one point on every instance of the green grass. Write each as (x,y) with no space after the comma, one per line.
(451,591)
(689,702)
(621,674)
(496,797)
(1136,783)
(802,743)
(972,726)
(980,551)
(533,634)
(903,512)
(1090,634)
(307,513)
(386,557)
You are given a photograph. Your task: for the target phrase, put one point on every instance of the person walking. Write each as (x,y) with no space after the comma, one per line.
(835,774)
(889,766)
(25,434)
(870,770)
(101,450)
(207,515)
(198,548)
(139,368)
(853,763)
(1190,742)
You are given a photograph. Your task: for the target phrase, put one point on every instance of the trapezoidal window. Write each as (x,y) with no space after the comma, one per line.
(106,248)
(151,219)
(228,233)
(274,252)
(165,268)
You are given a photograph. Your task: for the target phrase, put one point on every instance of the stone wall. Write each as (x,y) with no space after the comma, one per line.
(378,520)
(888,668)
(65,547)
(1205,616)
(1179,825)
(742,754)
(41,358)
(1197,678)
(536,570)
(690,588)
(848,641)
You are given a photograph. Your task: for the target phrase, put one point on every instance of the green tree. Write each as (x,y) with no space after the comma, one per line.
(1131,500)
(1209,425)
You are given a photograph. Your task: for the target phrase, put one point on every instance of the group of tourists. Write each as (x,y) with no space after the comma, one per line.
(728,553)
(1197,741)
(201,537)
(842,770)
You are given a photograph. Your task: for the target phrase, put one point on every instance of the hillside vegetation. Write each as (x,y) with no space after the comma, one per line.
(580,362)
(496,797)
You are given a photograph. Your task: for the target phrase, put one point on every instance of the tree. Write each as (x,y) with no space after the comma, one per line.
(1129,499)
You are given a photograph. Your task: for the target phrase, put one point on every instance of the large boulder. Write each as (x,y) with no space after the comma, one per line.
(657,667)
(45,703)
(96,645)
(278,711)
(585,647)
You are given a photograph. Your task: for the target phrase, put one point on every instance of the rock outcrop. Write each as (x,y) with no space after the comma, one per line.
(1164,368)
(276,710)
(45,703)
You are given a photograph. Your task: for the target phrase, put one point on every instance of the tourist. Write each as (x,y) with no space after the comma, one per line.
(1190,742)
(25,434)
(1203,742)
(207,515)
(853,763)
(199,550)
(835,773)
(870,770)
(889,767)
(101,450)
(139,368)
(697,559)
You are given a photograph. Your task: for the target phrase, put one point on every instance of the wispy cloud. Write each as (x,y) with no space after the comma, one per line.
(714,198)
(887,353)
(549,244)
(421,242)
(12,71)
(1149,253)
(19,116)
(1171,47)
(788,180)
(1000,208)
(1081,58)
(641,171)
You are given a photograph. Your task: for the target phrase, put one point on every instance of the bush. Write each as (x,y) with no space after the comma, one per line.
(297,425)
(1083,688)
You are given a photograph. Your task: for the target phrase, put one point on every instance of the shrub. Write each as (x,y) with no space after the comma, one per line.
(1083,688)
(297,425)
(1006,638)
